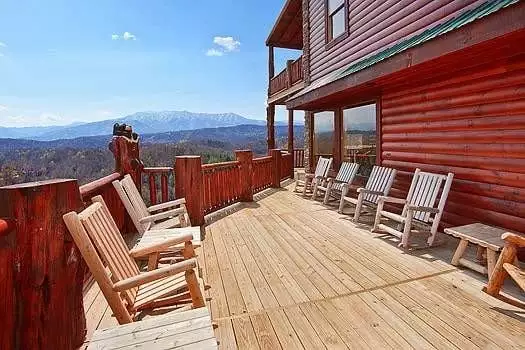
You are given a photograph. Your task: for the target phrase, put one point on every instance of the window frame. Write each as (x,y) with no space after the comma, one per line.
(330,42)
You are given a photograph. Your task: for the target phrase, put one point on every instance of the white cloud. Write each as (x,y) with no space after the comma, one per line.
(2,44)
(3,108)
(214,52)
(227,43)
(124,36)
(129,36)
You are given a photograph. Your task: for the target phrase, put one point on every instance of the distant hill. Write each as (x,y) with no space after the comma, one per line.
(226,138)
(143,123)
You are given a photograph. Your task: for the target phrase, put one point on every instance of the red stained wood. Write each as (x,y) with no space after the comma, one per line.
(188,184)
(262,176)
(472,125)
(276,165)
(298,157)
(41,278)
(245,159)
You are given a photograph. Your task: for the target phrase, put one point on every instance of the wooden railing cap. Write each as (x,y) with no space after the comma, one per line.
(36,184)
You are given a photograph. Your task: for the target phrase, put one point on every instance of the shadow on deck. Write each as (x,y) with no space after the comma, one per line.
(287,272)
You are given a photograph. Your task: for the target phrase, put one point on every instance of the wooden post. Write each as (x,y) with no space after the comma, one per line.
(276,165)
(270,120)
(310,145)
(127,157)
(271,65)
(188,184)
(338,135)
(291,139)
(41,274)
(245,157)
(289,74)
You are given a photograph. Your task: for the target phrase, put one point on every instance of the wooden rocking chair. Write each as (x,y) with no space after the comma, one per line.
(128,291)
(321,171)
(419,208)
(507,265)
(334,187)
(378,184)
(150,218)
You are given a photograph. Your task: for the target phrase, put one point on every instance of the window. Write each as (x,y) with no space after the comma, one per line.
(324,131)
(336,19)
(359,137)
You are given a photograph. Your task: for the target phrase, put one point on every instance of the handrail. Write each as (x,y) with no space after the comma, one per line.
(157,170)
(262,159)
(288,77)
(220,165)
(92,187)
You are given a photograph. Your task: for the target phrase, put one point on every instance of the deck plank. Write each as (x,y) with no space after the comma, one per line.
(288,272)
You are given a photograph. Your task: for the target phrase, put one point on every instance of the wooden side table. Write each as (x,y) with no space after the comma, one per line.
(486,237)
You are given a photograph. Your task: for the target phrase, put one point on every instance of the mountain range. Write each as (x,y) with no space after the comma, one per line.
(142,122)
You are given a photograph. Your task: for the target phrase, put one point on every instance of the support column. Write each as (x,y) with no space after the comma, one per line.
(277,163)
(188,184)
(42,272)
(271,65)
(270,124)
(308,141)
(245,157)
(338,126)
(291,142)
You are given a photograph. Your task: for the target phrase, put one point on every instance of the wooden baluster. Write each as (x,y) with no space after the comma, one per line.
(164,187)
(152,189)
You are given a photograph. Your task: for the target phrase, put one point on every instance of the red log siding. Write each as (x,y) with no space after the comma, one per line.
(472,125)
(373,26)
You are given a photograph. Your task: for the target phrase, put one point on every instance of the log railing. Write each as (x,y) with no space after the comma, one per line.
(291,75)
(298,156)
(221,185)
(287,166)
(104,187)
(262,175)
(160,184)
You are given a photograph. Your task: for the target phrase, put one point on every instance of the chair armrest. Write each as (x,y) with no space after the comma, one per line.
(309,176)
(364,190)
(339,181)
(167,205)
(161,246)
(513,239)
(391,200)
(424,209)
(154,275)
(163,215)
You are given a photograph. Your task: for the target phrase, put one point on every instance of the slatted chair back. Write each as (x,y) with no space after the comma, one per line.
(424,191)
(346,174)
(134,196)
(130,208)
(380,180)
(323,165)
(106,237)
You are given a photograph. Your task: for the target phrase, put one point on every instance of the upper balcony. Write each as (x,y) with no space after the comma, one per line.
(286,33)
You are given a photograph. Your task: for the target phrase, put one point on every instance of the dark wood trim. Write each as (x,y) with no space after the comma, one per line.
(270,120)
(290,131)
(379,133)
(509,21)
(329,43)
(310,116)
(271,64)
(338,138)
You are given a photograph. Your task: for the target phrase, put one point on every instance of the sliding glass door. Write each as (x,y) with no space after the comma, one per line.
(324,131)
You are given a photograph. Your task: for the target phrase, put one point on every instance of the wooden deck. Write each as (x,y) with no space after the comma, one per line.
(287,272)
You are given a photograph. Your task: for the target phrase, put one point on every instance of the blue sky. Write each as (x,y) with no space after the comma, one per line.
(75,60)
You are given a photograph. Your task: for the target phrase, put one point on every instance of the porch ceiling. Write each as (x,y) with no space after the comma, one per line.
(287,31)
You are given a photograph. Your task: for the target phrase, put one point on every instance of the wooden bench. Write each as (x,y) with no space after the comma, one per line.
(487,238)
(184,330)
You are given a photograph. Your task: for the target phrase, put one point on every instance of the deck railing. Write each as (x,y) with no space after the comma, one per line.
(291,75)
(298,157)
(104,188)
(160,184)
(262,175)
(220,185)
(286,166)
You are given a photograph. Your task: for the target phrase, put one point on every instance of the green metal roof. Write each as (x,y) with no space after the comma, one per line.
(457,22)
(454,23)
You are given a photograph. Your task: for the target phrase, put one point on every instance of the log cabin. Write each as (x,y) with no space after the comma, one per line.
(430,84)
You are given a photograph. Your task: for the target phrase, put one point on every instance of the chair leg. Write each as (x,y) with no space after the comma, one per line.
(296,183)
(327,194)
(314,191)
(307,182)
(358,207)
(378,215)
(153,261)
(406,231)
(194,289)
(499,274)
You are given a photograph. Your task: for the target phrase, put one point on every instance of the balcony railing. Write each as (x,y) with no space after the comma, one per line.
(291,75)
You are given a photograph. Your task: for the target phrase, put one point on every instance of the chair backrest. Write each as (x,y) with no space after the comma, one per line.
(107,239)
(347,172)
(323,165)
(380,180)
(133,202)
(425,189)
